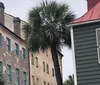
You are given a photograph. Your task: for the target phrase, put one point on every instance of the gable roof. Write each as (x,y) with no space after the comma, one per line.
(92,15)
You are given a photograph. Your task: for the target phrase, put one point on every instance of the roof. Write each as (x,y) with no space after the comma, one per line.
(92,14)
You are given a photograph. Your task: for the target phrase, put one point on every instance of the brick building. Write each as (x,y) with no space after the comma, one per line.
(17,67)
(14,69)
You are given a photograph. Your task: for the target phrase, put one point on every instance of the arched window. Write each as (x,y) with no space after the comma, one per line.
(33,80)
(44,83)
(44,66)
(36,62)
(47,69)
(37,81)
(32,59)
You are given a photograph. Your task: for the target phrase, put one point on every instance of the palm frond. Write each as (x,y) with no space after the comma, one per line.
(47,25)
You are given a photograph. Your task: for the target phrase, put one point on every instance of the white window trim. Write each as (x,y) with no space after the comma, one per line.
(97,45)
(73,51)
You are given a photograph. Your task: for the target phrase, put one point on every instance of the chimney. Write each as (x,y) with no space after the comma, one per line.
(92,3)
(2,13)
(17,26)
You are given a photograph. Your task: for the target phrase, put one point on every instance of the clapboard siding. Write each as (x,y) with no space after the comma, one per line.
(85,54)
(88,73)
(87,66)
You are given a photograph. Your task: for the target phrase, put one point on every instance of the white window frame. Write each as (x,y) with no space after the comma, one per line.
(98,46)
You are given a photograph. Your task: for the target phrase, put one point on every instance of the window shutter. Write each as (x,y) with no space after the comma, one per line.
(98,43)
(98,36)
(0,39)
(1,71)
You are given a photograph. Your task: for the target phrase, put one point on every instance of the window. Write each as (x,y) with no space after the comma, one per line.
(37,81)
(24,53)
(36,62)
(33,80)
(47,69)
(0,39)
(48,83)
(9,74)
(53,72)
(24,78)
(44,66)
(44,83)
(17,49)
(17,77)
(98,43)
(47,53)
(1,71)
(32,59)
(8,44)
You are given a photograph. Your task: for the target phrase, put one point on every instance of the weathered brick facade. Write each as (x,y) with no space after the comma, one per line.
(11,27)
(9,58)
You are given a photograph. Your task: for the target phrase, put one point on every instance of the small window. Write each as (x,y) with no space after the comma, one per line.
(17,77)
(37,81)
(33,80)
(53,73)
(32,60)
(47,53)
(24,78)
(8,44)
(47,69)
(9,74)
(98,43)
(36,62)
(44,66)
(1,71)
(48,84)
(24,53)
(0,39)
(44,83)
(17,49)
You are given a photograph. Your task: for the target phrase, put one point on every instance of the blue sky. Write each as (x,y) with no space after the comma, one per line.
(20,8)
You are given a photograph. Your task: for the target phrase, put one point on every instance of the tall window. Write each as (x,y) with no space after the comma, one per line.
(36,62)
(8,44)
(98,43)
(9,74)
(37,81)
(1,71)
(24,53)
(17,77)
(53,73)
(17,49)
(0,39)
(24,78)
(47,69)
(44,66)
(32,60)
(48,83)
(33,80)
(44,83)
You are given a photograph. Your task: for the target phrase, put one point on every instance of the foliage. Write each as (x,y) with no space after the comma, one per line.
(70,81)
(48,23)
(47,28)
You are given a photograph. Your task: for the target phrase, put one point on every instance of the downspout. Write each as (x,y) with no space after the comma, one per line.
(29,67)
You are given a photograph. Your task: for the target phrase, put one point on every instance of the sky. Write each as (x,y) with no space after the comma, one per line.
(20,8)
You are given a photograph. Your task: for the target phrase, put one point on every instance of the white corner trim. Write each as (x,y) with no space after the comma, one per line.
(73,51)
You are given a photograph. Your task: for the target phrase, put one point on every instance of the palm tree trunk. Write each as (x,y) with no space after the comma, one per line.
(56,65)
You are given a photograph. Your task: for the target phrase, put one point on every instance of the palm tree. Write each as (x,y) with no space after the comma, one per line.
(47,28)
(70,81)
